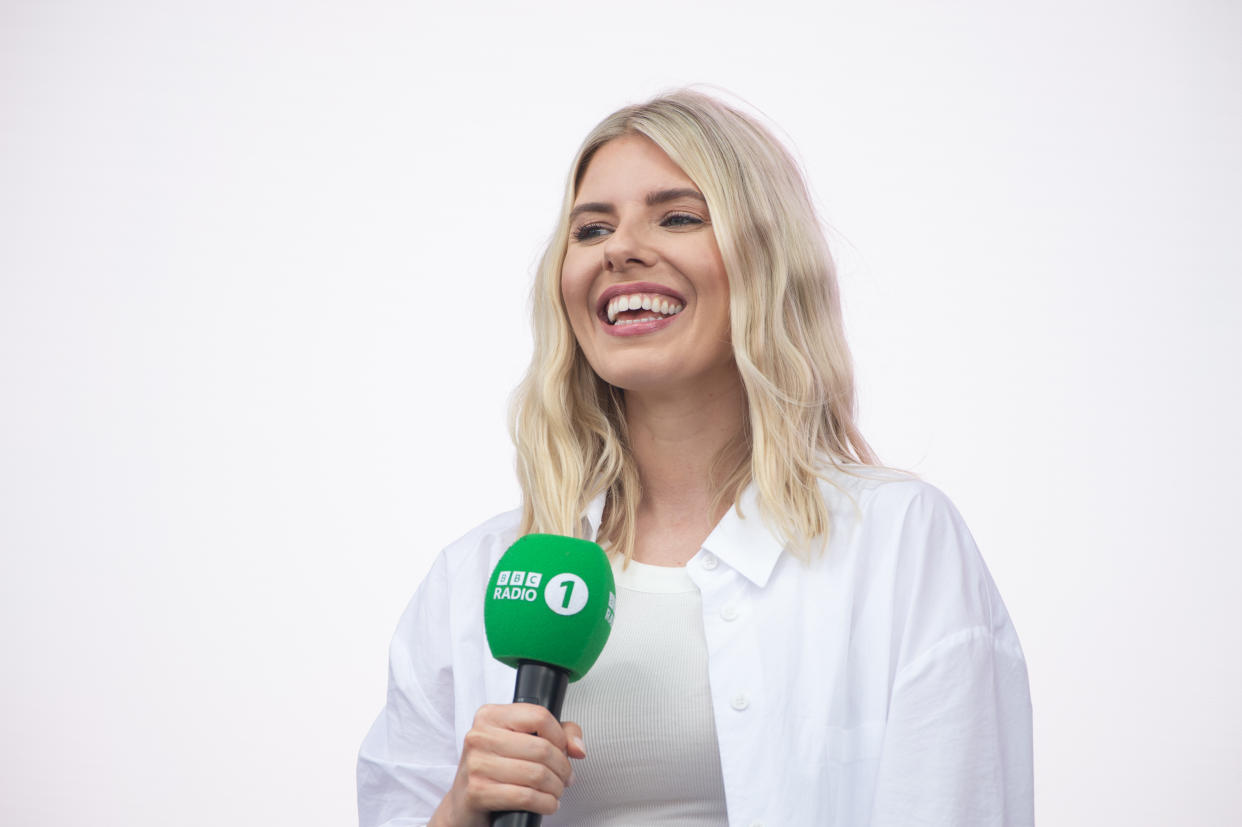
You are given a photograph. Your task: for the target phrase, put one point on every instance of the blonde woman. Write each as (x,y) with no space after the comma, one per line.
(802,638)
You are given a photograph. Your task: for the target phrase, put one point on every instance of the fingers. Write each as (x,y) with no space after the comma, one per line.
(515,757)
(498,783)
(504,797)
(507,745)
(573,735)
(528,718)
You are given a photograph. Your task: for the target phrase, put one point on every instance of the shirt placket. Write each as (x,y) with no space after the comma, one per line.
(739,696)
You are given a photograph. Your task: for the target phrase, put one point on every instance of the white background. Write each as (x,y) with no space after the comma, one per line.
(264,274)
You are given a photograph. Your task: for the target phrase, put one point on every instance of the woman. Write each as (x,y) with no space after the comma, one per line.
(801,638)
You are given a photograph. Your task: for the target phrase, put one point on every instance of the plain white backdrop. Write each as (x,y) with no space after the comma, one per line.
(264,285)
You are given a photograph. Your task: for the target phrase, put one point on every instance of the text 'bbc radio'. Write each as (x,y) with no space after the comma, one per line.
(518,585)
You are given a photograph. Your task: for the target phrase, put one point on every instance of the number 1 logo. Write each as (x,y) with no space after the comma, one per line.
(566,594)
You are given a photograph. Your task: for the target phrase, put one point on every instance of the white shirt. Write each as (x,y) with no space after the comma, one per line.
(881,683)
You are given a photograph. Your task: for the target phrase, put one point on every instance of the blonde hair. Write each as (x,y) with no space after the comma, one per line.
(569,425)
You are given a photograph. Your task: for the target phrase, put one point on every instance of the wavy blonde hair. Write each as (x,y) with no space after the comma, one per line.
(569,425)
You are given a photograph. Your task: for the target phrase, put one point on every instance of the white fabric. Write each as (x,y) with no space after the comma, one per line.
(646,709)
(880,684)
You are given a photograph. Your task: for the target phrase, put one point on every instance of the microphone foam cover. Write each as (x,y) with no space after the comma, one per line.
(552,600)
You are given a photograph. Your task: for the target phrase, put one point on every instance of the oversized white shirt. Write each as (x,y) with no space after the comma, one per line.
(879,683)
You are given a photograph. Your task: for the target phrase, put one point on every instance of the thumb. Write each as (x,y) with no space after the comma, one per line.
(573,734)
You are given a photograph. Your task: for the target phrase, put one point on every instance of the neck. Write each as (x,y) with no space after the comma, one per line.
(676,439)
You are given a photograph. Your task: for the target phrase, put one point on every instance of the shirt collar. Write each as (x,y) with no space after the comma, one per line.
(595,515)
(746,544)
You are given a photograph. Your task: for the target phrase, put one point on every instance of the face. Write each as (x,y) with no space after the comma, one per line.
(643,280)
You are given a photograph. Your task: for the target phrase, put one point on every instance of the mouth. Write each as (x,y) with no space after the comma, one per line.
(632,304)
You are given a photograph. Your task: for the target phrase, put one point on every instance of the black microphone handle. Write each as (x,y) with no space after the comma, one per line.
(537,683)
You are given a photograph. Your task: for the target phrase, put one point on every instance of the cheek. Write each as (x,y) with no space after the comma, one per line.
(572,283)
(711,283)
(720,301)
(718,274)
(574,289)
(577,275)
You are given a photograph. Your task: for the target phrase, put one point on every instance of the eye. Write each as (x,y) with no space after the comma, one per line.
(680,219)
(588,232)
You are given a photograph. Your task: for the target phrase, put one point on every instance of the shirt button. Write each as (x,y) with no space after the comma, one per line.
(740,701)
(709,561)
(729,612)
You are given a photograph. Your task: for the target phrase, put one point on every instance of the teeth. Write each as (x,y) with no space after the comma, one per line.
(641,301)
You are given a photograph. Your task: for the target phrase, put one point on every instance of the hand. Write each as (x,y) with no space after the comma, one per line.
(505,767)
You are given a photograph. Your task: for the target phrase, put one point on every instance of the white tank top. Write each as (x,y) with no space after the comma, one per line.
(646,713)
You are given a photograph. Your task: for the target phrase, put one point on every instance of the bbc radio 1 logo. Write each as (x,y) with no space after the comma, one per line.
(565,594)
(518,585)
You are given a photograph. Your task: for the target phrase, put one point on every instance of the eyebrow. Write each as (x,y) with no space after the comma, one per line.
(653,199)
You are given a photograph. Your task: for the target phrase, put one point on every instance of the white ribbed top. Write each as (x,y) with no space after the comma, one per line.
(646,713)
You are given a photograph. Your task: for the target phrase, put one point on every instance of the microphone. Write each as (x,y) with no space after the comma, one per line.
(548,611)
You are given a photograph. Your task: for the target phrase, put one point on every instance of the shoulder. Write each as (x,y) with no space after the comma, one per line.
(461,567)
(904,537)
(882,497)
(483,544)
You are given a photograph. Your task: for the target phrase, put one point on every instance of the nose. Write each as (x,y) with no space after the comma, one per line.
(625,248)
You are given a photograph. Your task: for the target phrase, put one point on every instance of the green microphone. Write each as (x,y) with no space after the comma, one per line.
(548,610)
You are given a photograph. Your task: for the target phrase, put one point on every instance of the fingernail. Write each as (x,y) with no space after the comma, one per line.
(577,742)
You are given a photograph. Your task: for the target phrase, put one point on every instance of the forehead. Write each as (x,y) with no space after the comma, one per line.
(629,166)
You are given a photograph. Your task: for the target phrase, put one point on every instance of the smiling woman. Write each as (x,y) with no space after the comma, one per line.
(641,235)
(801,636)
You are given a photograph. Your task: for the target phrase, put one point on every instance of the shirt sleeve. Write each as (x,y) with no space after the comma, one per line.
(957,745)
(409,757)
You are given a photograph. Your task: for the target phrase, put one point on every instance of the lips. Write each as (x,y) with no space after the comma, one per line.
(646,301)
(651,305)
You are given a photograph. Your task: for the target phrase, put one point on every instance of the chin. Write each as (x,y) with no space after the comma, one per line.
(640,374)
(654,380)
(628,381)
